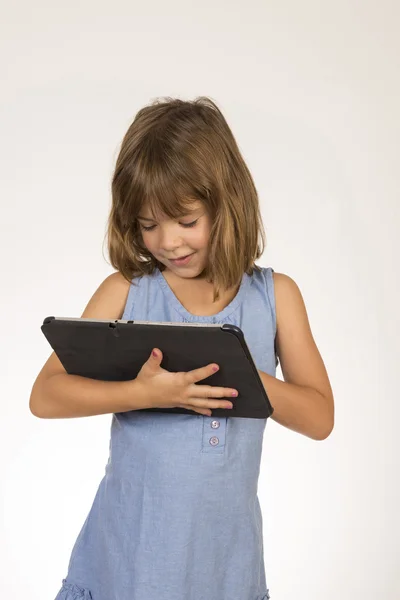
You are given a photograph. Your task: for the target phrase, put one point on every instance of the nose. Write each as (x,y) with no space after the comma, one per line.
(169,241)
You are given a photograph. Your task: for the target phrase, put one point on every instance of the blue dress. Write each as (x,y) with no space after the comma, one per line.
(176,515)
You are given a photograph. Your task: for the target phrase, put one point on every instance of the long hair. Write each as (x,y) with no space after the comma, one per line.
(173,153)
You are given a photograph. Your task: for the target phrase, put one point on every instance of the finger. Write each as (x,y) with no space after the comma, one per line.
(202,403)
(208,391)
(201,373)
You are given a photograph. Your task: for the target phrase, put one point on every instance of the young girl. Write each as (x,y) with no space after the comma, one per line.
(177,516)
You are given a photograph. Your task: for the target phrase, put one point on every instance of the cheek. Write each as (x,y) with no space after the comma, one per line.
(198,239)
(148,240)
(200,235)
(204,236)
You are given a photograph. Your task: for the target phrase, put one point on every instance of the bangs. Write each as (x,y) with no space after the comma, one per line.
(165,184)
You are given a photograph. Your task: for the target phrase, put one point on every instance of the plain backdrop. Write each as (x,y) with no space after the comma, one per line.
(311,91)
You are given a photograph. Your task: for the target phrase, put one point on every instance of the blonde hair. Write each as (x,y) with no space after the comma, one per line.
(173,153)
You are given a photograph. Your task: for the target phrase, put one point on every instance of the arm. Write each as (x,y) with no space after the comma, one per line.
(56,394)
(304,401)
(65,396)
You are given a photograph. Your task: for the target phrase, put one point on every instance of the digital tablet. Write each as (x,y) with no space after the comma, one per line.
(116,351)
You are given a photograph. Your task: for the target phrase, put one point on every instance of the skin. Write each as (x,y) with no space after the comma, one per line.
(170,238)
(173,239)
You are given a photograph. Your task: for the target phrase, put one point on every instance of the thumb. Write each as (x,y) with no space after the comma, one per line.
(156,356)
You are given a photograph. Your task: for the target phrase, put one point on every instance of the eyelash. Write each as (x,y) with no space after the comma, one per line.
(183,225)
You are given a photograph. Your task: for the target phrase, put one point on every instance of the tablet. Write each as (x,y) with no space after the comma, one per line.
(116,351)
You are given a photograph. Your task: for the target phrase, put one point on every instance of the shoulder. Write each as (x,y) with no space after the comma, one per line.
(115,285)
(282,289)
(109,299)
(291,313)
(287,294)
(283,281)
(117,280)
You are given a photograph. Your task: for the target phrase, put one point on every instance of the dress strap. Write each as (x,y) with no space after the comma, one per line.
(270,287)
(132,295)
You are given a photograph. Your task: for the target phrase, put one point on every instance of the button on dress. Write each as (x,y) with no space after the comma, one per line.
(177,515)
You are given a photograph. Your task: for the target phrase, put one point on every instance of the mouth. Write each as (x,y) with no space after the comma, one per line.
(183,260)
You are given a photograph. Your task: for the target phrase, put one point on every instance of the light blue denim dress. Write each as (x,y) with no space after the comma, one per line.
(176,515)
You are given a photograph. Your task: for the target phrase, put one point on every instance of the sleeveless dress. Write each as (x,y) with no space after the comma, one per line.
(176,515)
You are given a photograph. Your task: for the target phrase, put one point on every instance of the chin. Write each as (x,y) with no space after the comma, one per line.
(189,272)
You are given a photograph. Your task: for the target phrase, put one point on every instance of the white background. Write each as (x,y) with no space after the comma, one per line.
(311,91)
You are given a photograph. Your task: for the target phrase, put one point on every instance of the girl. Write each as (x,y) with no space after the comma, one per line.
(177,516)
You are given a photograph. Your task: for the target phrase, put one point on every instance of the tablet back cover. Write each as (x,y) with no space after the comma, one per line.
(116,351)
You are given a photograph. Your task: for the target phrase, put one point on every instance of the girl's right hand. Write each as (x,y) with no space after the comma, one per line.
(163,389)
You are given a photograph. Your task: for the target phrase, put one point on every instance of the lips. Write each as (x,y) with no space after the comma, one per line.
(180,257)
(182,261)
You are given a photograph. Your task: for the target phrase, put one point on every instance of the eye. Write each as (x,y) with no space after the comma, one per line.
(151,227)
(192,224)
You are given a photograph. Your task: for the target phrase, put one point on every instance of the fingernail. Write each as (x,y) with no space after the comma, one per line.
(215,368)
(155,353)
(234,393)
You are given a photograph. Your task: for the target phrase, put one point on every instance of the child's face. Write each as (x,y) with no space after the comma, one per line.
(167,239)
